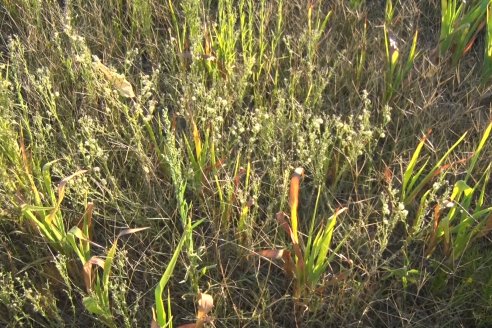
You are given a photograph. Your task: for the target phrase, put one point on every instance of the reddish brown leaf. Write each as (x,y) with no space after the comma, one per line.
(237,178)
(294,187)
(388,175)
(333,280)
(473,38)
(437,215)
(87,271)
(273,254)
(439,170)
(289,266)
(427,135)
(280,216)
(295,245)
(217,166)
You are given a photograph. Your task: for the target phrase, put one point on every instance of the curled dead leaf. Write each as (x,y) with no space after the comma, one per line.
(205,305)
(87,271)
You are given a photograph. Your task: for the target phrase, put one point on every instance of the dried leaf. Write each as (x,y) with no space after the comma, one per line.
(280,216)
(388,175)
(237,178)
(283,223)
(289,266)
(333,280)
(87,274)
(61,194)
(219,164)
(439,170)
(340,210)
(153,323)
(130,231)
(89,210)
(205,305)
(117,81)
(273,254)
(87,271)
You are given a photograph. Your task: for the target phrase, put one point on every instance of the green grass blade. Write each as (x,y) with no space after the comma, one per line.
(108,263)
(433,172)
(162,319)
(487,62)
(476,154)
(309,242)
(411,165)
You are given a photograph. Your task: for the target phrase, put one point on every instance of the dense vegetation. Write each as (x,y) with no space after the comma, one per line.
(296,163)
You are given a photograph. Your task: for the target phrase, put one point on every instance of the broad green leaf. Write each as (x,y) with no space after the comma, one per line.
(476,154)
(92,305)
(411,165)
(432,173)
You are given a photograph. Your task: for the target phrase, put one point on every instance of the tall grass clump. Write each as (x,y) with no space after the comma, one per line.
(460,24)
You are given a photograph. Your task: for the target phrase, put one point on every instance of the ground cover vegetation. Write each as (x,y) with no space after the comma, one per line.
(245,163)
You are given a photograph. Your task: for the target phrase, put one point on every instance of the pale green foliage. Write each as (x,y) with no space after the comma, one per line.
(25,303)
